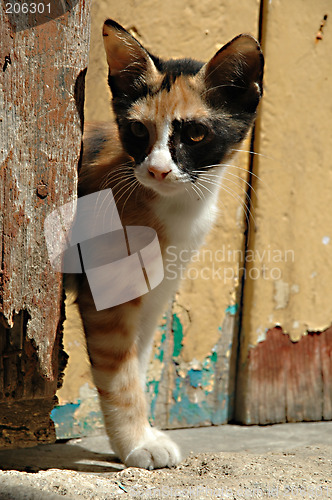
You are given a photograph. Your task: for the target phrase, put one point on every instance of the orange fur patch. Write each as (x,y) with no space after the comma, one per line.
(110,360)
(125,399)
(182,101)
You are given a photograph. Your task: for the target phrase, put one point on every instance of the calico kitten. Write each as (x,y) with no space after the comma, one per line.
(177,123)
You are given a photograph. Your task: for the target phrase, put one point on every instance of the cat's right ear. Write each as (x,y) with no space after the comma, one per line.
(233,77)
(128,61)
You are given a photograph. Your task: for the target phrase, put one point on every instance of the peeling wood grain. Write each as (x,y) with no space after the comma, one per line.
(288,381)
(26,423)
(41,119)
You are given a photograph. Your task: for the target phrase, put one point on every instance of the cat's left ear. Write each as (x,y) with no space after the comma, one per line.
(128,61)
(233,77)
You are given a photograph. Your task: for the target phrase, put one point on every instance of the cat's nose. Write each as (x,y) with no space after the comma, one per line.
(159,173)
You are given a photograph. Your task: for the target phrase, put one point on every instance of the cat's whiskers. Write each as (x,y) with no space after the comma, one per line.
(198,183)
(189,192)
(105,185)
(135,185)
(208,174)
(205,187)
(127,181)
(253,153)
(211,89)
(199,192)
(250,186)
(119,177)
(126,167)
(206,168)
(114,211)
(245,207)
(231,165)
(248,204)
(108,198)
(252,174)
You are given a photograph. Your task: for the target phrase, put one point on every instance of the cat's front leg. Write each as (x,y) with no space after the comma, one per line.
(112,346)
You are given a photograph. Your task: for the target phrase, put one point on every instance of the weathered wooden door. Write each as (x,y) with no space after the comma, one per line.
(43,56)
(285,364)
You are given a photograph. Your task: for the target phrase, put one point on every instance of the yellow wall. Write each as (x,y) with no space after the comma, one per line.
(293,206)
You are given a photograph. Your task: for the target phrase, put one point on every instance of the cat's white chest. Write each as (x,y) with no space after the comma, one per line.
(186,222)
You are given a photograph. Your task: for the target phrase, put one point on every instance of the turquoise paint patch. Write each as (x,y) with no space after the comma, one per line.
(152,386)
(220,415)
(185,410)
(195,378)
(69,424)
(177,335)
(189,412)
(63,418)
(232,310)
(160,355)
(192,413)
(214,357)
(65,411)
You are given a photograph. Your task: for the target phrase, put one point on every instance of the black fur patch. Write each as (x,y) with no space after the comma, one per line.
(94,145)
(177,67)
(172,69)
(134,146)
(223,134)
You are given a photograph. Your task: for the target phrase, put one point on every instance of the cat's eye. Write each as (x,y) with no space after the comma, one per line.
(194,132)
(139,130)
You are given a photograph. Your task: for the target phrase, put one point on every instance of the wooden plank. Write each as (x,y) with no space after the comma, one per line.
(326,366)
(288,271)
(289,381)
(42,67)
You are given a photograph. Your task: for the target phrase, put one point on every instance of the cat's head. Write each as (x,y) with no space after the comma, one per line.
(180,118)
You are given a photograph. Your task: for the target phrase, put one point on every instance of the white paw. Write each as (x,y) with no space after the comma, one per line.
(155,453)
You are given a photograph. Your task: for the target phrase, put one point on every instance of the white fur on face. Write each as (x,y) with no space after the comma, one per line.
(161,160)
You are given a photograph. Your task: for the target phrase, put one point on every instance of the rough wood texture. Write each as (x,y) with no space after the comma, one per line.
(289,381)
(41,100)
(26,423)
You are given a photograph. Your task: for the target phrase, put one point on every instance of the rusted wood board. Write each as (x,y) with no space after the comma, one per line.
(289,381)
(42,67)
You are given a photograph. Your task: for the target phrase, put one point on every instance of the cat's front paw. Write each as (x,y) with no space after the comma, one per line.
(155,453)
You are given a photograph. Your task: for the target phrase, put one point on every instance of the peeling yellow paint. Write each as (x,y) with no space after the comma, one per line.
(155,369)
(281,294)
(294,179)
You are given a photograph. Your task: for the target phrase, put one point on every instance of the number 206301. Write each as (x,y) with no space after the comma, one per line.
(28,8)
